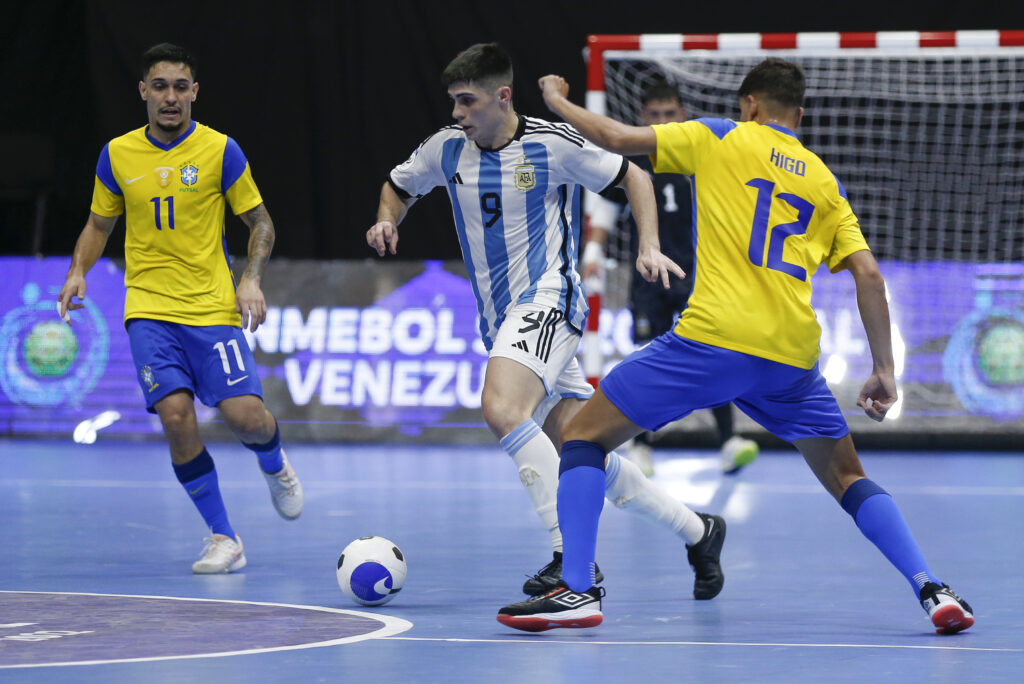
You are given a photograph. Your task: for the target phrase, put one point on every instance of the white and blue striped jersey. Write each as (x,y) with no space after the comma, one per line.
(516,211)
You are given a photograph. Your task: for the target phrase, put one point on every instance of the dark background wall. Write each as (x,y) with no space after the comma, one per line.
(325,97)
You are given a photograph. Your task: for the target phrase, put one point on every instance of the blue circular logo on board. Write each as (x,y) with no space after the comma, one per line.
(984,362)
(43,361)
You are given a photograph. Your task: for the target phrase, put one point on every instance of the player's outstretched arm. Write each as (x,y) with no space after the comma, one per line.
(383,235)
(602,131)
(650,262)
(879,392)
(249,299)
(88,250)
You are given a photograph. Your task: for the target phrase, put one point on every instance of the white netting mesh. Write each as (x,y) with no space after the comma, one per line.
(929,144)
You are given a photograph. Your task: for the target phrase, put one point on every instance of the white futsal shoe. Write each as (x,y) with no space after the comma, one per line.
(221,554)
(285,490)
(737,453)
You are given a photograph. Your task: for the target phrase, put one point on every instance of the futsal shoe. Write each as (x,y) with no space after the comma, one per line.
(737,453)
(949,613)
(560,607)
(548,577)
(705,558)
(221,554)
(285,490)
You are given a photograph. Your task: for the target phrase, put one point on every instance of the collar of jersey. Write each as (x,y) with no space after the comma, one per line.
(520,127)
(782,129)
(173,143)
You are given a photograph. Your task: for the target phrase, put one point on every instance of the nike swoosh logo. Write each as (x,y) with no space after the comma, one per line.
(198,489)
(381,587)
(235,381)
(129,181)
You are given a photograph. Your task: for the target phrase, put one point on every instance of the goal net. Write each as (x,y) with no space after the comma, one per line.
(925,131)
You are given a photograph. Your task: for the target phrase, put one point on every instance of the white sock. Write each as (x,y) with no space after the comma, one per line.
(537,460)
(626,487)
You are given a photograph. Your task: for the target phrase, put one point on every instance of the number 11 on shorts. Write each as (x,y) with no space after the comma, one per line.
(222,350)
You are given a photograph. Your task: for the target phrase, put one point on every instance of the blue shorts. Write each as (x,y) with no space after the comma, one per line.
(674,376)
(212,362)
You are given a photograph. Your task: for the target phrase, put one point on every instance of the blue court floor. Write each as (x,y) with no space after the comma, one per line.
(97,543)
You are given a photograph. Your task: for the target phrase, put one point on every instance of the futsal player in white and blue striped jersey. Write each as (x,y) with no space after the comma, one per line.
(513,182)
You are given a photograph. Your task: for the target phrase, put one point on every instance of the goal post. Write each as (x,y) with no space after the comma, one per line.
(924,129)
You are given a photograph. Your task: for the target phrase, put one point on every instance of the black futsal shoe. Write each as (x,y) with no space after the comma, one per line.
(949,613)
(560,607)
(705,558)
(548,577)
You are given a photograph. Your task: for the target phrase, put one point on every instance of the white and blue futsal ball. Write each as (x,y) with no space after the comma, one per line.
(371,570)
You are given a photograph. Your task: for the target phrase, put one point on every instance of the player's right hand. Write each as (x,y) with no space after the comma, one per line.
(654,266)
(74,287)
(552,86)
(878,395)
(383,236)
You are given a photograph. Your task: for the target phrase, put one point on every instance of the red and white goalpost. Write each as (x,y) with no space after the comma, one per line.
(906,119)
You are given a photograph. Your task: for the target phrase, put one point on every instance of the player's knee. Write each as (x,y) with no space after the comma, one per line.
(500,414)
(177,420)
(252,426)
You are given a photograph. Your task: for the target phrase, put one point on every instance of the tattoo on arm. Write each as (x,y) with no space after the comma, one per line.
(261,240)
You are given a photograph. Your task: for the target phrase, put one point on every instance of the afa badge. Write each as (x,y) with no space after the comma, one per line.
(189,174)
(525,175)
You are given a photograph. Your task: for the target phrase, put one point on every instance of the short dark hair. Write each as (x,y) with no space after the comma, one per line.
(660,90)
(167,52)
(777,80)
(484,64)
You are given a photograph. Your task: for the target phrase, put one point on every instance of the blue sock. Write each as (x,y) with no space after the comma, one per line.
(199,478)
(580,499)
(269,454)
(878,518)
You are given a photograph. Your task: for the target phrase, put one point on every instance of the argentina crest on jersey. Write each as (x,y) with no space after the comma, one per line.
(525,175)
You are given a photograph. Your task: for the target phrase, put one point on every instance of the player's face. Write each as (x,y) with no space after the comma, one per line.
(661,112)
(478,111)
(169,92)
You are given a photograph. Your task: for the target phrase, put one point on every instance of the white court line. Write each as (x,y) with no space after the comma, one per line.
(588,642)
(392,625)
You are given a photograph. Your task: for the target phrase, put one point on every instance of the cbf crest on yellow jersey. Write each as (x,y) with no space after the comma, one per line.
(767,212)
(173,197)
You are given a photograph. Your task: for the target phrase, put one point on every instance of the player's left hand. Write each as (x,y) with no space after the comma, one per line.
(552,86)
(878,395)
(653,266)
(249,302)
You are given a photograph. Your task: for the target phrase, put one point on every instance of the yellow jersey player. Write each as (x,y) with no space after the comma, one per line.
(768,212)
(183,313)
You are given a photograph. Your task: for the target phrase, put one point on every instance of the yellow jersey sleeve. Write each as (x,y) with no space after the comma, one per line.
(848,239)
(236,180)
(107,198)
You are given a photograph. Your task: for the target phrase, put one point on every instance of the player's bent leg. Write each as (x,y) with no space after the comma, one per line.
(249,419)
(198,476)
(835,463)
(512,392)
(177,414)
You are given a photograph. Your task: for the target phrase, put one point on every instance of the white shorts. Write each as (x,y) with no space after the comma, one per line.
(539,338)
